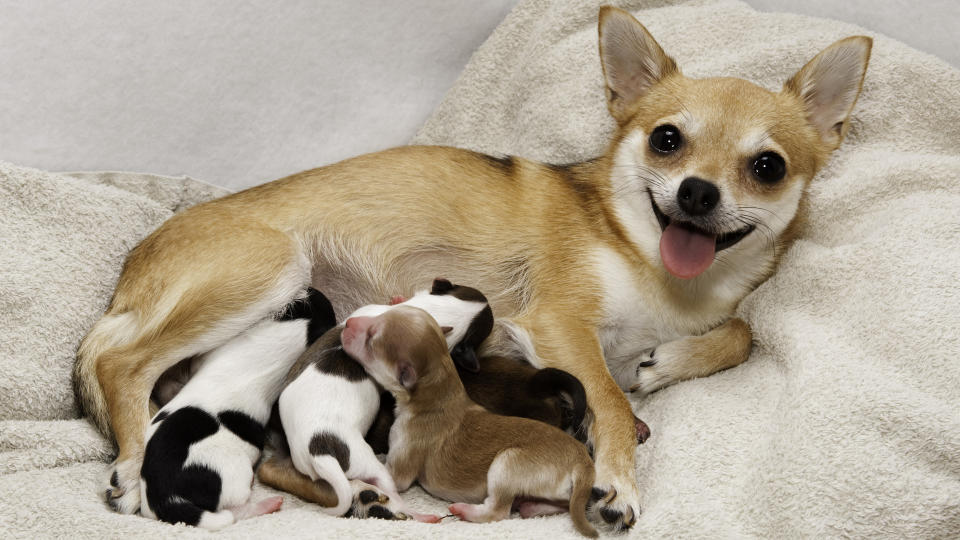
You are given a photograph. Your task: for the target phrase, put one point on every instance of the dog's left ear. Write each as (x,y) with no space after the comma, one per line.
(829,86)
(406,375)
(465,357)
(632,60)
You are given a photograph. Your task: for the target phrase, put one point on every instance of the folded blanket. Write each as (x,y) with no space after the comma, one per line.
(844,422)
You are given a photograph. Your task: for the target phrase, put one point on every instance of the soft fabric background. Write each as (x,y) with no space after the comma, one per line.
(240,92)
(844,422)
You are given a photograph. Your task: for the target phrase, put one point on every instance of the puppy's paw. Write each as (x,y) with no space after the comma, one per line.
(122,491)
(370,502)
(614,507)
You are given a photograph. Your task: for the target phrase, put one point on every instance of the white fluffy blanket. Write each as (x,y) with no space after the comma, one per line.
(844,422)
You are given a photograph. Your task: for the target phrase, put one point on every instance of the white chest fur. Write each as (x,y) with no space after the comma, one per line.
(638,314)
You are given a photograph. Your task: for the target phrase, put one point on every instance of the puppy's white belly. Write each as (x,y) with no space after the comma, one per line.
(232,458)
(315,402)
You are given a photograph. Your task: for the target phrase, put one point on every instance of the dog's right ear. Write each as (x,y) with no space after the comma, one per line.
(632,60)
(441,286)
(406,375)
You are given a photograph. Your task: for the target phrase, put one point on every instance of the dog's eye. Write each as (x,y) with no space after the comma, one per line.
(769,167)
(665,139)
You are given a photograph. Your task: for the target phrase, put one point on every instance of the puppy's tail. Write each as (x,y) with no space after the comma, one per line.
(579,498)
(328,468)
(550,382)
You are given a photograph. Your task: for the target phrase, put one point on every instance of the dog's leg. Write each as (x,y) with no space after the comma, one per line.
(279,473)
(571,345)
(528,509)
(723,347)
(503,486)
(376,474)
(180,306)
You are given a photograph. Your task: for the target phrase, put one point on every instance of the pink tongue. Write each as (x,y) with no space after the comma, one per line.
(686,253)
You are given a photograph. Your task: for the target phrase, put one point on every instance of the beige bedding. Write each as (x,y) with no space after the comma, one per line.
(844,422)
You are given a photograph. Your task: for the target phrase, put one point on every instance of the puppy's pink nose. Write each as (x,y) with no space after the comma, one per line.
(358,324)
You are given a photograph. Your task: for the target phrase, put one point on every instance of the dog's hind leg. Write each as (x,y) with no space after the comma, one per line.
(725,346)
(367,467)
(278,472)
(177,299)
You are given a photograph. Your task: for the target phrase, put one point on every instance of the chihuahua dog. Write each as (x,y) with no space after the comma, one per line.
(624,270)
(453,447)
(202,445)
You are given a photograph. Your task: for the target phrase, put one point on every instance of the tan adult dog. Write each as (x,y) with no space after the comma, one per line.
(635,260)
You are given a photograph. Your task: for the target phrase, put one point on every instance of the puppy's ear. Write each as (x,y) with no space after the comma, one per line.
(406,375)
(441,286)
(465,357)
(632,60)
(446,329)
(829,86)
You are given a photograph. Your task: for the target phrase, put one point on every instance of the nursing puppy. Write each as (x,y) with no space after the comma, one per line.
(455,448)
(504,385)
(202,445)
(624,270)
(329,403)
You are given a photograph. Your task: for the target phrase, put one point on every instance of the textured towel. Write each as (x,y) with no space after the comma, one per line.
(844,422)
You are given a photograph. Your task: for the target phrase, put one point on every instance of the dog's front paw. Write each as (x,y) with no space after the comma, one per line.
(615,506)
(122,491)
(652,371)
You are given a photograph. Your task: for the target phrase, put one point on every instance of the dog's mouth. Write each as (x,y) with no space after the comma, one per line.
(688,250)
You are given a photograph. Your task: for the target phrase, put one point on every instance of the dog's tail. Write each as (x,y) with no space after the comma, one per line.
(109,332)
(328,468)
(550,382)
(580,498)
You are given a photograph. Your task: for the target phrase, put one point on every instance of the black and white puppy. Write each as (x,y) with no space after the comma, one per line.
(202,445)
(329,403)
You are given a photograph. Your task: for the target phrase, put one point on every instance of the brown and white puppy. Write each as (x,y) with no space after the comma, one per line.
(586,265)
(453,447)
(508,386)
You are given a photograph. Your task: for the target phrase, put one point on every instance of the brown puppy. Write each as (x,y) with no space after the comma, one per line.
(455,448)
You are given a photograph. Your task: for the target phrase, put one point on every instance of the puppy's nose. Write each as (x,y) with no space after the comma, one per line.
(697,197)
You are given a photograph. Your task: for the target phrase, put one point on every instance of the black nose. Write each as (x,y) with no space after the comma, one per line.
(697,197)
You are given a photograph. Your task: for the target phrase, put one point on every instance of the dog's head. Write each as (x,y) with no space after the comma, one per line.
(707,170)
(402,348)
(464,310)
